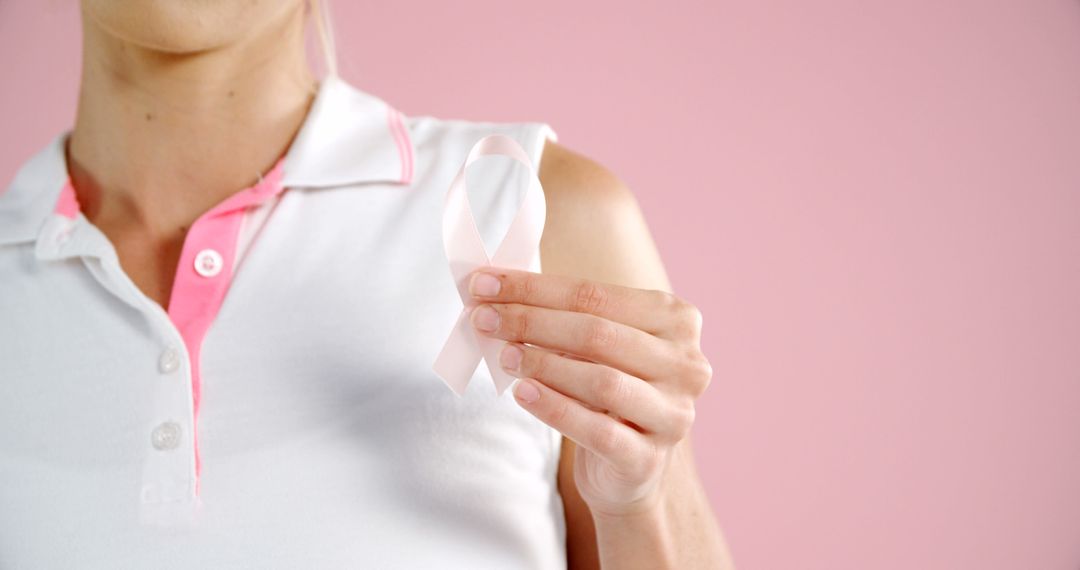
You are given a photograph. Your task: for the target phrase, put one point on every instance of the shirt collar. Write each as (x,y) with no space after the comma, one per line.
(348,137)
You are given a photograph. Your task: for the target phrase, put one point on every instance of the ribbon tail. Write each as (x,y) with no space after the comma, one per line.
(459,357)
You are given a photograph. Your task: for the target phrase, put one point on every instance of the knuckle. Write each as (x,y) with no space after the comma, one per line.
(519,321)
(558,412)
(695,316)
(659,298)
(667,300)
(705,373)
(608,439)
(684,420)
(589,297)
(698,372)
(613,389)
(702,386)
(688,318)
(601,336)
(528,288)
(537,363)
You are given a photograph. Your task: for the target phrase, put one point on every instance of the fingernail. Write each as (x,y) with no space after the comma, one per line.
(510,357)
(526,391)
(485,318)
(484,285)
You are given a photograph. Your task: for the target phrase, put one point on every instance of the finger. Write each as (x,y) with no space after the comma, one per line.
(616,442)
(600,387)
(600,340)
(644,309)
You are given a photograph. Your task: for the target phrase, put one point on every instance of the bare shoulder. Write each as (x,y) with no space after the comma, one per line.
(595,227)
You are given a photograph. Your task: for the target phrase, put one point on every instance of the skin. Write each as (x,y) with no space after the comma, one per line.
(610,357)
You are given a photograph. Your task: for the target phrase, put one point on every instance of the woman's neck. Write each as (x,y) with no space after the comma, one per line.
(160,138)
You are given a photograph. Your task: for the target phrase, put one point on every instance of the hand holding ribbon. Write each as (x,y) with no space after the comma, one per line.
(615,369)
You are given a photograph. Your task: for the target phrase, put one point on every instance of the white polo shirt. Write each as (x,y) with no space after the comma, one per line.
(283,412)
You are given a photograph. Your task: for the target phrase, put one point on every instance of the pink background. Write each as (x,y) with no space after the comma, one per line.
(876,205)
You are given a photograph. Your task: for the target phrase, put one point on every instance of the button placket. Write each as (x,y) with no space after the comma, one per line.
(170,483)
(166,494)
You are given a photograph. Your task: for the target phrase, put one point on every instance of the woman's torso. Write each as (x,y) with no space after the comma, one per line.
(324,439)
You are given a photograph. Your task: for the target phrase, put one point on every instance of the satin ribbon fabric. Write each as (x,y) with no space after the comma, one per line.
(465,252)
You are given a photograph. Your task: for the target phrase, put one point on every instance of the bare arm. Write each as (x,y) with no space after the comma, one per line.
(595,231)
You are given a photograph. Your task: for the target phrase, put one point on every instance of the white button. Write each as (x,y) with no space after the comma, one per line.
(166,436)
(169,361)
(208,263)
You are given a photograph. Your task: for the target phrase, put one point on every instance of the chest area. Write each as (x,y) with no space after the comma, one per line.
(320,354)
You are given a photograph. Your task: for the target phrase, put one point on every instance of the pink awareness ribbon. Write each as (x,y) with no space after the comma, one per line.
(465,252)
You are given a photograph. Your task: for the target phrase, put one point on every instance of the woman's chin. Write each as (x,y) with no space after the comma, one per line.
(184,26)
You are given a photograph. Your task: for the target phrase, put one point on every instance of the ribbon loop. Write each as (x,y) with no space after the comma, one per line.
(465,252)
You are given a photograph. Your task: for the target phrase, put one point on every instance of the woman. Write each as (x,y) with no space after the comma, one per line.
(221,293)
